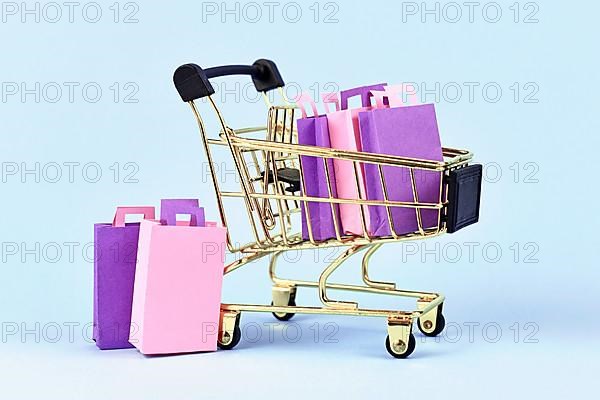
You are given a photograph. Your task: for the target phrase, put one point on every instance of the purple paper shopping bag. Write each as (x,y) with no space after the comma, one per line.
(313,131)
(115,246)
(408,131)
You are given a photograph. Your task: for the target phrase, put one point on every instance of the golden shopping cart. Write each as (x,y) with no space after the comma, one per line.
(272,188)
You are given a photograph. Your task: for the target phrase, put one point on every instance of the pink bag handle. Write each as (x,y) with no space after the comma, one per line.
(363,91)
(119,219)
(329,98)
(393,93)
(304,98)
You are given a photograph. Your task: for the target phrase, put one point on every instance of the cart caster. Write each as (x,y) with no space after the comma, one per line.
(400,342)
(400,349)
(285,316)
(433,322)
(284,296)
(230,333)
(428,329)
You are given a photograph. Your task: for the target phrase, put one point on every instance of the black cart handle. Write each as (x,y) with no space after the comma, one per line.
(192,82)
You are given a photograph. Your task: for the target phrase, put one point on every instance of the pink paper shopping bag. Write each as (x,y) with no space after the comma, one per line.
(178,278)
(344,134)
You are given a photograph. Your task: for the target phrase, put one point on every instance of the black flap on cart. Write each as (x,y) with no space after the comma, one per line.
(464,193)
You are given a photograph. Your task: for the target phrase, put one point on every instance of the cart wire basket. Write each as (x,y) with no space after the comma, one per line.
(272,188)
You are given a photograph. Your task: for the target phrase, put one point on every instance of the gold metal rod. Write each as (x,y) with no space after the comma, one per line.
(416,199)
(243,173)
(283,127)
(447,152)
(389,290)
(318,151)
(266,99)
(440,190)
(442,224)
(300,244)
(284,164)
(386,199)
(217,142)
(249,248)
(320,310)
(334,213)
(277,187)
(296,158)
(242,261)
(267,213)
(243,131)
(363,219)
(372,158)
(328,271)
(233,151)
(458,157)
(433,206)
(233,194)
(213,173)
(366,289)
(365,270)
(433,304)
(286,211)
(272,266)
(305,204)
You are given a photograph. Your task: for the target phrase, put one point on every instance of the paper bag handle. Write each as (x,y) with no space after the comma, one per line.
(304,98)
(363,91)
(119,219)
(329,98)
(393,94)
(169,208)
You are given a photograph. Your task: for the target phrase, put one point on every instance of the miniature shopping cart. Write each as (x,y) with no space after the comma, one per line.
(272,188)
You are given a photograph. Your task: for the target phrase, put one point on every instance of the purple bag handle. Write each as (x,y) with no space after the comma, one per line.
(363,91)
(169,208)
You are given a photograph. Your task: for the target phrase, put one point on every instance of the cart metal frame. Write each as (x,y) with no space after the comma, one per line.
(259,155)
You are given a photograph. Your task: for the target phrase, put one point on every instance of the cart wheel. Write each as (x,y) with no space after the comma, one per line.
(284,295)
(285,316)
(401,350)
(233,341)
(427,327)
(229,339)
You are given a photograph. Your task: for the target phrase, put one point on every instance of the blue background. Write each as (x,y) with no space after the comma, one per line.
(538,148)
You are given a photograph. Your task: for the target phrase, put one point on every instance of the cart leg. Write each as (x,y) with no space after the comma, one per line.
(272,266)
(400,342)
(229,330)
(432,322)
(328,271)
(365,271)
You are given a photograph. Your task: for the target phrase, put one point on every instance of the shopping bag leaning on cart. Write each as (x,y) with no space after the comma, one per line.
(406,130)
(177,291)
(115,247)
(313,131)
(344,135)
